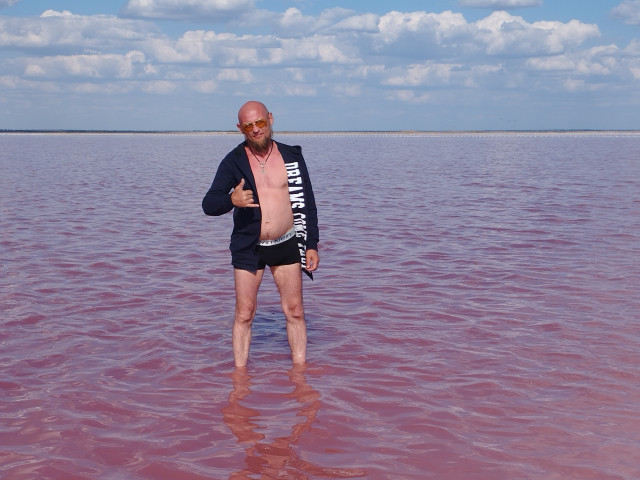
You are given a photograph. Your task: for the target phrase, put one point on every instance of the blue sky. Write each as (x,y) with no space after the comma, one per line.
(320,65)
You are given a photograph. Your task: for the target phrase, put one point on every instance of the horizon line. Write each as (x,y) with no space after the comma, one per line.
(292,132)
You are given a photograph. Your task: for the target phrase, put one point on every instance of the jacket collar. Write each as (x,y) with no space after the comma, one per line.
(244,166)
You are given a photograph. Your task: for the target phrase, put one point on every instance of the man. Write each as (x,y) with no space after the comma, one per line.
(267,185)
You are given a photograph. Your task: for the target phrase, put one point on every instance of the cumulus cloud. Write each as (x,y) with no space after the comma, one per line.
(294,23)
(424,74)
(337,36)
(339,52)
(500,4)
(418,34)
(317,48)
(628,11)
(58,30)
(91,66)
(185,9)
(160,87)
(206,86)
(229,50)
(367,22)
(594,61)
(409,96)
(191,47)
(431,74)
(416,50)
(502,33)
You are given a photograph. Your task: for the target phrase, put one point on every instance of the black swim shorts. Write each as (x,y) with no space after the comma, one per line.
(284,253)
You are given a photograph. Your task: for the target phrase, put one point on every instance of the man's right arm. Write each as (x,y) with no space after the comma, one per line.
(217,201)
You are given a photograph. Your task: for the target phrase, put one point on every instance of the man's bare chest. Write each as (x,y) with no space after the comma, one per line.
(271,177)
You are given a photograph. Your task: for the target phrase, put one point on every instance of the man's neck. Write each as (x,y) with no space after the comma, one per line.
(259,151)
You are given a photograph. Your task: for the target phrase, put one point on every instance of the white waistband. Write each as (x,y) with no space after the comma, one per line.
(283,238)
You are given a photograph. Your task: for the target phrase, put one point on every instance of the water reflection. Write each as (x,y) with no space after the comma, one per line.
(273,459)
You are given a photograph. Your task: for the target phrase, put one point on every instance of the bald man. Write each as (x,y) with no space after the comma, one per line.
(275,224)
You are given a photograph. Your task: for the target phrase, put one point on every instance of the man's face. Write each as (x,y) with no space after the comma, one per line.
(255,125)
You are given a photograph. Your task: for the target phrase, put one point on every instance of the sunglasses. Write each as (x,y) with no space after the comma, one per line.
(248,127)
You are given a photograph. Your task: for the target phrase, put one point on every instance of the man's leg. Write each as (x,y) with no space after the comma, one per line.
(288,278)
(247,284)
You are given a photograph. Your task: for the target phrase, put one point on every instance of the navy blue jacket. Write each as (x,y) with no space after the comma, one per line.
(246,221)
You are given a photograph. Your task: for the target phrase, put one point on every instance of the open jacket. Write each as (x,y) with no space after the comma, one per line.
(246,221)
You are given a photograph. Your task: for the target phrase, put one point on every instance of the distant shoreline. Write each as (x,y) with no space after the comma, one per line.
(320,132)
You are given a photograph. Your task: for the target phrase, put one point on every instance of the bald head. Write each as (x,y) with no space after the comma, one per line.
(252,109)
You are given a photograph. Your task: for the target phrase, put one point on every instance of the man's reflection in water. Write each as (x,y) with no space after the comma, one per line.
(277,458)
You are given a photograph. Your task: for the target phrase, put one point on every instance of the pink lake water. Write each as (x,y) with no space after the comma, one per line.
(476,314)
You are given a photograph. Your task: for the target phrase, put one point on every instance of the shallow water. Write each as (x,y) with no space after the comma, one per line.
(475,314)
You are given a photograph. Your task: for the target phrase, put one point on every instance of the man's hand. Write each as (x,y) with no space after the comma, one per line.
(312,260)
(242,198)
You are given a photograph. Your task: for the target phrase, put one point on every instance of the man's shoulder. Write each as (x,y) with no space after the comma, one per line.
(239,150)
(235,153)
(290,148)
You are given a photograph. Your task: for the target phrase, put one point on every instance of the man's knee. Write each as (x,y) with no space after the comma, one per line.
(245,313)
(293,311)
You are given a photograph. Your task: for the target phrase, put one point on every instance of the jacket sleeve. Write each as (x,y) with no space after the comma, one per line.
(217,201)
(313,233)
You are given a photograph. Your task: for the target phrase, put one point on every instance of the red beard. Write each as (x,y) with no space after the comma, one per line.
(260,145)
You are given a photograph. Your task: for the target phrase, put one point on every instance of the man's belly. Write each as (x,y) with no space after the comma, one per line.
(273,229)
(277,216)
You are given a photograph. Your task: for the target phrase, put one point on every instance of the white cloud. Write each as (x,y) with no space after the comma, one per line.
(573,85)
(297,90)
(54,30)
(564,63)
(186,9)
(236,75)
(55,13)
(294,23)
(500,4)
(346,38)
(160,87)
(192,47)
(409,96)
(320,48)
(412,50)
(632,51)
(338,53)
(91,66)
(430,26)
(8,3)
(502,33)
(628,11)
(110,88)
(348,90)
(367,22)
(10,81)
(206,86)
(229,50)
(364,72)
(441,75)
(424,74)
(420,35)
(602,61)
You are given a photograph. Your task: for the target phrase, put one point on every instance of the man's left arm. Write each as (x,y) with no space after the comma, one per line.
(312,259)
(313,234)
